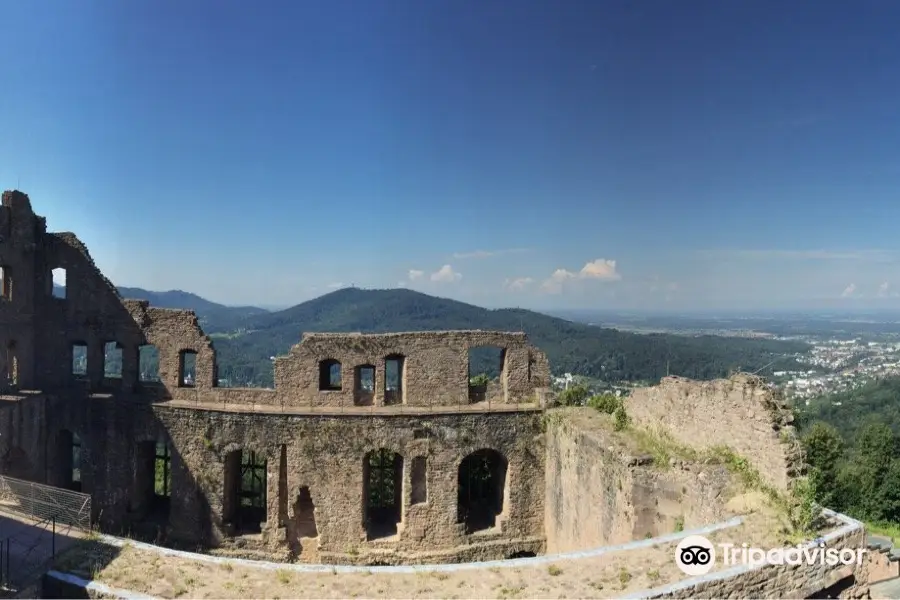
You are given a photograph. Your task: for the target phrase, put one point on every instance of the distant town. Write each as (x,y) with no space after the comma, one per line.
(835,365)
(838,366)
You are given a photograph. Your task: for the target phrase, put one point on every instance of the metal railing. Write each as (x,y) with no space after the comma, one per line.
(27,555)
(45,503)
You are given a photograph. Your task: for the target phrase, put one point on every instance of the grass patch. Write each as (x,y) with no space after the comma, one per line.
(801,514)
(888,530)
(554,571)
(284,577)
(661,446)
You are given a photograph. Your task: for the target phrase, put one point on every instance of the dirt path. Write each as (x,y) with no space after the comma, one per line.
(599,577)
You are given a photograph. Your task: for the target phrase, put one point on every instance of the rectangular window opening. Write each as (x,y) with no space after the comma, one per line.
(58,283)
(112,360)
(79,359)
(5,283)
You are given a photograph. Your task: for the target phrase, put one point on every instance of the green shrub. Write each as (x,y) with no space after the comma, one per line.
(605,403)
(621,418)
(576,395)
(479,380)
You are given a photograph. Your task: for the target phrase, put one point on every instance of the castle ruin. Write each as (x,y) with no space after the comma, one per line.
(369,450)
(374,442)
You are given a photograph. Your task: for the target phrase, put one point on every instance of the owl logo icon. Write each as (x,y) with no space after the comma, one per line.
(695,555)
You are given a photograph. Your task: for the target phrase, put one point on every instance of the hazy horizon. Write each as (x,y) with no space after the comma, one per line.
(725,313)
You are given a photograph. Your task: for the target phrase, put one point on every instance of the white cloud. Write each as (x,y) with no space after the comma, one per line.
(848,291)
(885,291)
(599,269)
(446,274)
(415,274)
(487,253)
(334,286)
(517,285)
(554,284)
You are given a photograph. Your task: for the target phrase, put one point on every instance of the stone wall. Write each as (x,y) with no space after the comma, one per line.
(40,332)
(599,492)
(22,451)
(119,415)
(881,565)
(323,454)
(741,413)
(434,367)
(781,581)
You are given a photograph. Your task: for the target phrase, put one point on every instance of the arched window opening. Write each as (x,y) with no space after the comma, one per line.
(482,477)
(394,378)
(329,375)
(364,385)
(487,373)
(382,492)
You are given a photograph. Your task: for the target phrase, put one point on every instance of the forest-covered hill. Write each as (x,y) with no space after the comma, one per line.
(852,443)
(571,347)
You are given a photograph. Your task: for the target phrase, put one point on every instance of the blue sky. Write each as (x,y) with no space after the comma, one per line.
(589,154)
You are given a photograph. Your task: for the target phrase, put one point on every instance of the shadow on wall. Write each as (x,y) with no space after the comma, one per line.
(30,548)
(123,455)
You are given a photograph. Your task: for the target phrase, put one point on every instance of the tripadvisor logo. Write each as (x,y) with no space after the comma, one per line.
(696,555)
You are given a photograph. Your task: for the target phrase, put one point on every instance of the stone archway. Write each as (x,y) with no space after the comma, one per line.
(482,482)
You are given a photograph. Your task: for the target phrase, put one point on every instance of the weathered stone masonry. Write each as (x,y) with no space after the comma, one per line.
(343,461)
(369,449)
(741,413)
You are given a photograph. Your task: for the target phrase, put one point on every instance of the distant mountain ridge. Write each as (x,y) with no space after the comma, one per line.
(571,347)
(247,337)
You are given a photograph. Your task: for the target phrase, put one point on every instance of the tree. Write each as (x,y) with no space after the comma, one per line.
(874,452)
(824,449)
(575,395)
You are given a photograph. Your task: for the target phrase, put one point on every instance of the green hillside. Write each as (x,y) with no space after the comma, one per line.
(571,347)
(852,443)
